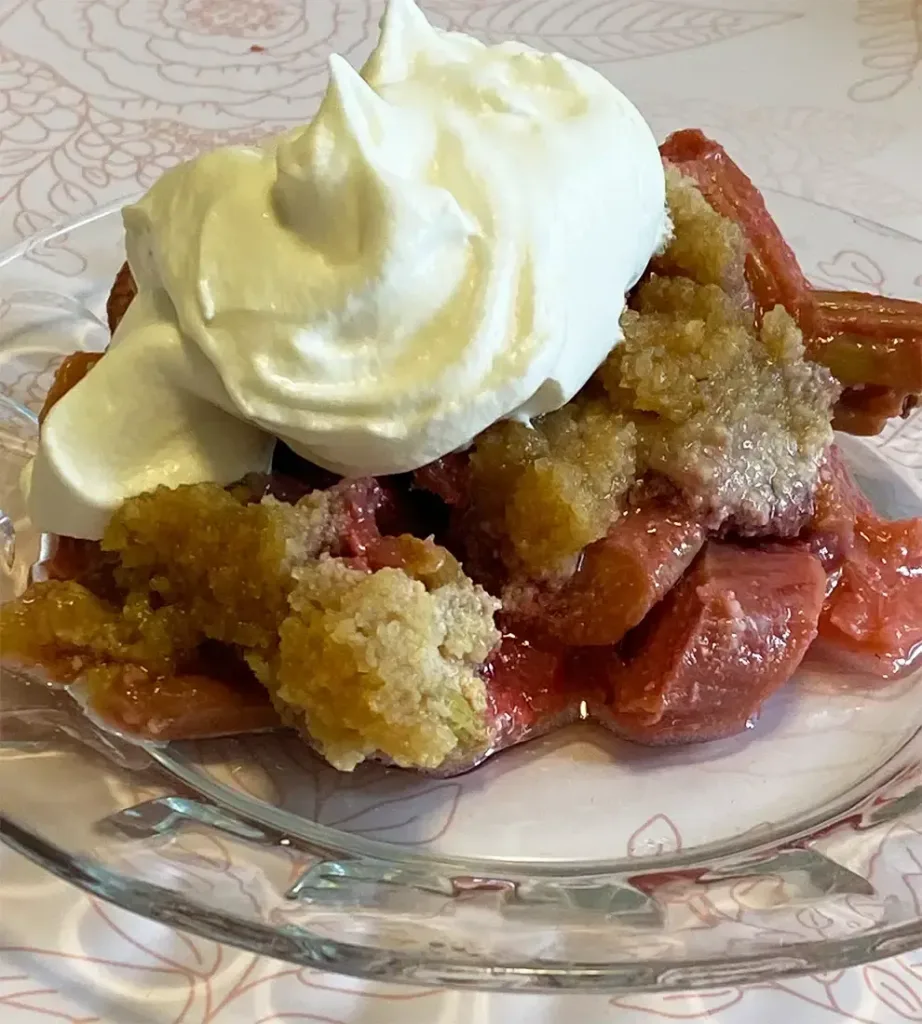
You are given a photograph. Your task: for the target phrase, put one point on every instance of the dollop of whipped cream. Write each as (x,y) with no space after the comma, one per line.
(447,244)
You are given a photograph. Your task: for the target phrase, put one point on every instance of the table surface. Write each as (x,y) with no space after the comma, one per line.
(820,99)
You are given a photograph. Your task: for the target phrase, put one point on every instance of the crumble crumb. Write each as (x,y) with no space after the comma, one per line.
(376,663)
(546,492)
(734,416)
(705,246)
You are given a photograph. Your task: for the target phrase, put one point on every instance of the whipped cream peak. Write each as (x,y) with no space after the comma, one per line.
(447,244)
(406,35)
(345,187)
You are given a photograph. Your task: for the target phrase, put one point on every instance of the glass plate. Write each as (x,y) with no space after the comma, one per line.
(576,861)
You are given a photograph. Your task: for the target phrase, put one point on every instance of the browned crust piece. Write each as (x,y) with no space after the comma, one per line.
(123,291)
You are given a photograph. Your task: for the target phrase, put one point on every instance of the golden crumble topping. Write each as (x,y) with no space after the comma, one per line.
(547,492)
(190,564)
(225,564)
(733,415)
(63,622)
(372,663)
(705,247)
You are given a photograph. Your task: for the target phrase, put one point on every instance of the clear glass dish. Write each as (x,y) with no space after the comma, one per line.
(574,862)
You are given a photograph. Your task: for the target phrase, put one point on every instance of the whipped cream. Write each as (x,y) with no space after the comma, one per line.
(446,245)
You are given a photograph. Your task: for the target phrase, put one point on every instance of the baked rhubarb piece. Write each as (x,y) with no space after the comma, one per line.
(123,292)
(530,688)
(830,535)
(725,639)
(869,340)
(619,578)
(71,371)
(873,618)
(772,272)
(211,703)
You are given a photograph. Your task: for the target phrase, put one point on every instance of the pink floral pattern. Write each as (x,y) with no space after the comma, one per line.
(892,45)
(618,29)
(227,18)
(98,97)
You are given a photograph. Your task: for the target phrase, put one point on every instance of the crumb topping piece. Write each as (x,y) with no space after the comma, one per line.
(225,564)
(188,565)
(734,416)
(705,247)
(362,661)
(547,491)
(375,662)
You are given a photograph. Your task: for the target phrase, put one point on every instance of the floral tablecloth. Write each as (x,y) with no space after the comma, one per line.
(819,99)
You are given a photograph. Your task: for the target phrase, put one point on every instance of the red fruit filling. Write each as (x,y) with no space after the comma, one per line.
(725,638)
(873,618)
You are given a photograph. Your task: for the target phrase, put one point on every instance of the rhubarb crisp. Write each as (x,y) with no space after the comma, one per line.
(658,554)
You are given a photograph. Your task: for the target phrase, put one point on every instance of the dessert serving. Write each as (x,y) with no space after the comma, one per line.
(460,414)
